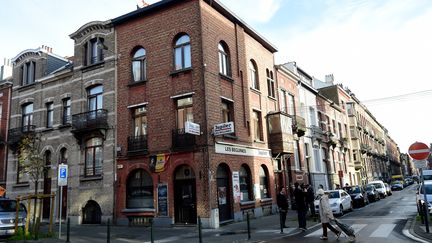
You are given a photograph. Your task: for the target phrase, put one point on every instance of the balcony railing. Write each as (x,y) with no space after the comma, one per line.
(317,132)
(182,140)
(299,126)
(91,120)
(16,134)
(137,144)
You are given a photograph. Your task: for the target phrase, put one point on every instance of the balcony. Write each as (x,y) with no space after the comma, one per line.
(137,145)
(90,121)
(299,126)
(16,134)
(317,133)
(357,165)
(280,133)
(182,140)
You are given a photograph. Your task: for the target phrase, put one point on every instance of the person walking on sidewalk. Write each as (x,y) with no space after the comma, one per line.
(299,194)
(310,198)
(326,215)
(282,204)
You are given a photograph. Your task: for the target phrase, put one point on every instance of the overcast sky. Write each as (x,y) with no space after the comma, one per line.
(380,49)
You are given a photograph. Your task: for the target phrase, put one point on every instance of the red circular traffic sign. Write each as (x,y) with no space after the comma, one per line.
(419,151)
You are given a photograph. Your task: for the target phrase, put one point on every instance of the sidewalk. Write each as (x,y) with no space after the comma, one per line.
(419,230)
(261,229)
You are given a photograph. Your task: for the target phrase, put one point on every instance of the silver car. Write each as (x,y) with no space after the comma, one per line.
(7,216)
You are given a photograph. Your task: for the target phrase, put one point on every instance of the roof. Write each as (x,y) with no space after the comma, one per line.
(158,6)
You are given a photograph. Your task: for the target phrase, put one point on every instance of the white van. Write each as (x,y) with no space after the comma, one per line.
(380,187)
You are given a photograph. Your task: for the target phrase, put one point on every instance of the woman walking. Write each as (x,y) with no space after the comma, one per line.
(326,215)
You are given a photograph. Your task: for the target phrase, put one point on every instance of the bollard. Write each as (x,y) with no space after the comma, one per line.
(199,230)
(426,217)
(248,226)
(420,205)
(280,220)
(68,231)
(151,231)
(108,231)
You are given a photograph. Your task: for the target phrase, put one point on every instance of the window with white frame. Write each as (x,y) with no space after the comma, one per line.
(224,59)
(139,65)
(270,83)
(182,53)
(253,75)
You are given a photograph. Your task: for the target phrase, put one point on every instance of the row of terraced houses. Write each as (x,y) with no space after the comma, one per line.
(177,110)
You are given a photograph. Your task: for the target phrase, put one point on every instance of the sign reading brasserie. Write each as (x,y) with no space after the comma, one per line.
(241,150)
(223,128)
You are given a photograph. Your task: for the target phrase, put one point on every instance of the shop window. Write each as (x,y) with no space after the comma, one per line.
(139,190)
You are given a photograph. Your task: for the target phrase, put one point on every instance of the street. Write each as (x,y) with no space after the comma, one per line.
(381,221)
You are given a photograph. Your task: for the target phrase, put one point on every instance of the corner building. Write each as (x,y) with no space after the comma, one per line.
(184,67)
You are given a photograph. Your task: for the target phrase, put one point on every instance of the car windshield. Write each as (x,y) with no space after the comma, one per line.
(395,182)
(9,206)
(377,185)
(334,194)
(351,190)
(369,188)
(427,177)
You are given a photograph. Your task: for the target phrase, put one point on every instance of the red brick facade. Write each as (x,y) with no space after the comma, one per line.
(5,95)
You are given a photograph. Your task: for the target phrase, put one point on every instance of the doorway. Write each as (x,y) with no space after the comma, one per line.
(185,209)
(47,186)
(224,193)
(92,213)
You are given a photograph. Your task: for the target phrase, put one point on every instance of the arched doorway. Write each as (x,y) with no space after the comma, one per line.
(185,195)
(47,186)
(223,192)
(92,213)
(63,160)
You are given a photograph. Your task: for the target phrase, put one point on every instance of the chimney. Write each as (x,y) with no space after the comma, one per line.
(141,4)
(329,78)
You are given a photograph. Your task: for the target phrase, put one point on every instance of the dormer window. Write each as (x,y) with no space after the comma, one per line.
(93,52)
(28,73)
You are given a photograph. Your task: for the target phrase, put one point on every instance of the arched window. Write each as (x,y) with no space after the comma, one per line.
(93,157)
(270,84)
(47,158)
(139,65)
(245,183)
(63,156)
(253,75)
(182,53)
(224,60)
(264,185)
(139,190)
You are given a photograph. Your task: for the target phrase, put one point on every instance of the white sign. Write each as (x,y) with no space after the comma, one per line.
(236,186)
(420,164)
(241,150)
(223,128)
(62,175)
(192,128)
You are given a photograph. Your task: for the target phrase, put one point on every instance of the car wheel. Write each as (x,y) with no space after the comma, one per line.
(341,210)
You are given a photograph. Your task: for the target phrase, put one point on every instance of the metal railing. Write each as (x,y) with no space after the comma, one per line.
(137,144)
(182,140)
(97,119)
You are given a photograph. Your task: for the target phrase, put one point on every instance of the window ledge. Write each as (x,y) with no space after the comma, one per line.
(255,90)
(27,86)
(21,184)
(226,77)
(245,203)
(177,72)
(259,141)
(230,136)
(91,178)
(136,83)
(266,200)
(271,97)
(65,126)
(93,66)
(138,210)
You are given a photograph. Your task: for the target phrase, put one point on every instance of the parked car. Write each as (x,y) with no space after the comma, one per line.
(396,186)
(425,187)
(8,216)
(358,195)
(372,193)
(380,187)
(340,202)
(427,175)
(388,189)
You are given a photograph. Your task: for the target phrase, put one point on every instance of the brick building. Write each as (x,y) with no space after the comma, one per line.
(190,65)
(5,95)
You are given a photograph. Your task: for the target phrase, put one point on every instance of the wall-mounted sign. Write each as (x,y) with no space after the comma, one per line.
(236,186)
(192,128)
(223,128)
(62,175)
(241,150)
(162,199)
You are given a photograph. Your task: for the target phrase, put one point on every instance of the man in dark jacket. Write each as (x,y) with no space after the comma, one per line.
(282,205)
(299,194)
(310,198)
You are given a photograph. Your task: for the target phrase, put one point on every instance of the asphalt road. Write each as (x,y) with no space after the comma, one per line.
(381,221)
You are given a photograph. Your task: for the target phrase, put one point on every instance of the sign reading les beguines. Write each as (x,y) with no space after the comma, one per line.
(163,200)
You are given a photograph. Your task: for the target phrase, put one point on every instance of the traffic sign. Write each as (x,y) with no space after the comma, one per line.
(419,151)
(62,175)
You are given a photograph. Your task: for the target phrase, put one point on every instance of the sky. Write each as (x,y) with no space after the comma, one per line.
(380,49)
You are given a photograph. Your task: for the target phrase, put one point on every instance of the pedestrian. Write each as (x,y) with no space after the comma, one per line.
(326,215)
(299,196)
(282,203)
(321,186)
(310,198)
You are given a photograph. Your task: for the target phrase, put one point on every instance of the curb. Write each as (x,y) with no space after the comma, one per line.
(409,232)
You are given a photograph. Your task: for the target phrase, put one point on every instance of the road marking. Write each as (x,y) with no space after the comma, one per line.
(383,230)
(356,227)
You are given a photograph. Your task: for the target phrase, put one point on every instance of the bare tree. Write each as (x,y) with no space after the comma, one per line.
(31,162)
